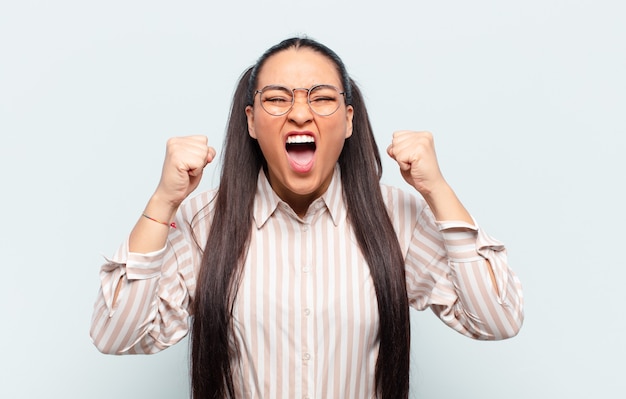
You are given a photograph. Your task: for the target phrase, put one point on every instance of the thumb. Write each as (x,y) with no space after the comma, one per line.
(197,172)
(210,156)
(390,151)
(404,166)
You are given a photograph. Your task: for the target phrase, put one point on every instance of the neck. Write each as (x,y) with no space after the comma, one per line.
(299,203)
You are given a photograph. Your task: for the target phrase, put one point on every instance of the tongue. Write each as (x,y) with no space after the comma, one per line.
(301,154)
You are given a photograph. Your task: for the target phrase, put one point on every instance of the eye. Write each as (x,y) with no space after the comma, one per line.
(276,95)
(322,99)
(323,94)
(276,100)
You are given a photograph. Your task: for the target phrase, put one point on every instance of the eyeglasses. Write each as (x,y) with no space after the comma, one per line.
(278,100)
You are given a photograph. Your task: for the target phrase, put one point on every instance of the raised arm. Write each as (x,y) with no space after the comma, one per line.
(415,154)
(453,267)
(142,303)
(185,159)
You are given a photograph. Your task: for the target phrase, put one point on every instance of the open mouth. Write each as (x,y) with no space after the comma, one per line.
(300,149)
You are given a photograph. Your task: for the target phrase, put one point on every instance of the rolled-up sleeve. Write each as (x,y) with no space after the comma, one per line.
(462,274)
(142,305)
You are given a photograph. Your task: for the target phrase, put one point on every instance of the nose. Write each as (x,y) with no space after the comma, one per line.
(300,112)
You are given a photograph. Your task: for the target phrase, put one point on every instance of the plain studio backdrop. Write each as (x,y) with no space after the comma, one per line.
(526,101)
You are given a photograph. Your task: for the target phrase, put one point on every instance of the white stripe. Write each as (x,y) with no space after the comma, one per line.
(340,333)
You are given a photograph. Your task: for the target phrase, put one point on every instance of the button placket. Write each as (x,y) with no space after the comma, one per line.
(306,234)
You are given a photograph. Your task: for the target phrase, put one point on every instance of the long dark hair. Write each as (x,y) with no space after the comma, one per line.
(218,280)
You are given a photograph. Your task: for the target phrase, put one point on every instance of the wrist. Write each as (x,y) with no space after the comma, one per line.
(437,193)
(445,205)
(161,208)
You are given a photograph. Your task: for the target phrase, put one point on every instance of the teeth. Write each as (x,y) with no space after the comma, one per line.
(300,139)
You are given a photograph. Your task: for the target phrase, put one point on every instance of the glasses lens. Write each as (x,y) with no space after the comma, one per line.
(276,100)
(324,99)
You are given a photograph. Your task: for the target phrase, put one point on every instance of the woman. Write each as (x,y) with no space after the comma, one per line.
(300,268)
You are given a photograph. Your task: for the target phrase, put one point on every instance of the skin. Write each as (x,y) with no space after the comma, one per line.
(299,68)
(415,154)
(186,157)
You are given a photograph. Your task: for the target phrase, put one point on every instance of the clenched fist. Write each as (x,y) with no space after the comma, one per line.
(415,154)
(185,159)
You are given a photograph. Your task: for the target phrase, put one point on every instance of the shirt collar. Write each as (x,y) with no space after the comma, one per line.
(266,200)
(333,197)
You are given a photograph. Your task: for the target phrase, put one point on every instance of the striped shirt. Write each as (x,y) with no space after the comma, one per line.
(305,317)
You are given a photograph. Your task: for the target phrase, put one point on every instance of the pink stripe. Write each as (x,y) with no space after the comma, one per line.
(306,312)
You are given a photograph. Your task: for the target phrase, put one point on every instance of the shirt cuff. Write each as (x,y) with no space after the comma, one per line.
(459,239)
(456,224)
(465,242)
(138,266)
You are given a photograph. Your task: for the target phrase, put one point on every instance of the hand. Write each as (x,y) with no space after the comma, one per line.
(415,154)
(185,159)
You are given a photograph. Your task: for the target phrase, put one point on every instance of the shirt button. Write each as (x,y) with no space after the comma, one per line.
(306,269)
(306,356)
(307,311)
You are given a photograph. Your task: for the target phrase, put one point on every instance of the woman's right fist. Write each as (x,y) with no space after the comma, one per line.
(185,159)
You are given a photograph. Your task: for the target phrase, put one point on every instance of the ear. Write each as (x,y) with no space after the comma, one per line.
(250,117)
(349,115)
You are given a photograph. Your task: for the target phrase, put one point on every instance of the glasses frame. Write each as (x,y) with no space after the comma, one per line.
(293,97)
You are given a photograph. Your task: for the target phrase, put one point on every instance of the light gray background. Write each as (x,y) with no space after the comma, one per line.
(526,101)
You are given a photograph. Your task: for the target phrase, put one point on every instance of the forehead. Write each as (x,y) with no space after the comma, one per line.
(298,68)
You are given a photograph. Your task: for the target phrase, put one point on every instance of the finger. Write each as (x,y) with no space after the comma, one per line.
(200,139)
(196,171)
(390,151)
(404,166)
(403,161)
(396,153)
(210,155)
